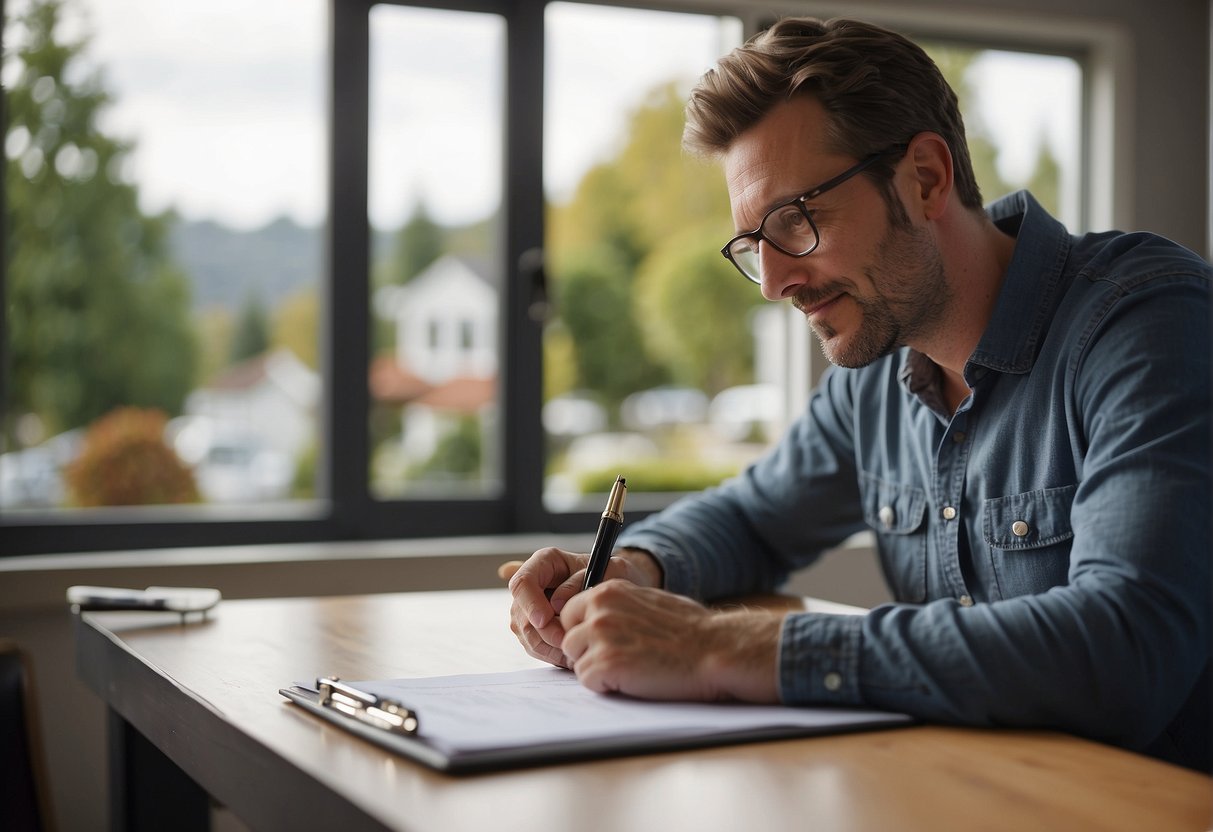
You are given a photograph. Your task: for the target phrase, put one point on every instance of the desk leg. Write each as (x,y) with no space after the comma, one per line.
(148,792)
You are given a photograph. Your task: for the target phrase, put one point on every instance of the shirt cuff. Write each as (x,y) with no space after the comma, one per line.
(680,574)
(819,659)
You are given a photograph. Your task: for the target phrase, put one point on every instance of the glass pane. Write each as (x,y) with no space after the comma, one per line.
(1019,138)
(634,384)
(164,197)
(436,143)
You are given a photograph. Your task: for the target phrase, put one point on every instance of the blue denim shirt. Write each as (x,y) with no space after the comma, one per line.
(1048,545)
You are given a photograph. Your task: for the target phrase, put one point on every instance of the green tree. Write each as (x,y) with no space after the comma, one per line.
(1045,181)
(296,326)
(954,62)
(98,315)
(595,304)
(252,335)
(623,210)
(418,244)
(647,192)
(686,295)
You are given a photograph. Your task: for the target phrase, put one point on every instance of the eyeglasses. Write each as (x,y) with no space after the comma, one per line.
(789,227)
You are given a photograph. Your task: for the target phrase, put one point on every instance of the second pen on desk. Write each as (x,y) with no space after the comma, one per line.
(608,530)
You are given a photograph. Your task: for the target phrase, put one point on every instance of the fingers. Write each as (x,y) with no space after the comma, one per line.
(507,569)
(542,571)
(537,645)
(532,618)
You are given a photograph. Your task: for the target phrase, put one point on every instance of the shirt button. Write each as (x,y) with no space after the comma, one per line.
(887,516)
(949,513)
(965,601)
(959,437)
(1019,528)
(832,681)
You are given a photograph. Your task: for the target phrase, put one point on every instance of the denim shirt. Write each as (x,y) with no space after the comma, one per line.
(1048,545)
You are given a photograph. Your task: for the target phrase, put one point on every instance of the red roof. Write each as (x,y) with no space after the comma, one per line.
(464,395)
(393,384)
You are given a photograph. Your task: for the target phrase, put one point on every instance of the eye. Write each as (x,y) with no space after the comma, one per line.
(786,222)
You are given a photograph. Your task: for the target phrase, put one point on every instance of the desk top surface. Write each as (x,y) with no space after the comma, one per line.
(206,693)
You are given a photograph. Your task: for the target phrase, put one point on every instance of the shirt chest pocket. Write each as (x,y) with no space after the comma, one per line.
(896,512)
(1029,537)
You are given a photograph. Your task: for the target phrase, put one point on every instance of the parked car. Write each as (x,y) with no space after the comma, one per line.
(662,407)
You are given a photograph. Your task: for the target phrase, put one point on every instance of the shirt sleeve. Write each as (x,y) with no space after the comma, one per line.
(1115,653)
(780,514)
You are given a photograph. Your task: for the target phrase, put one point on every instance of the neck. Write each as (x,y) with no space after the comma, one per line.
(976,257)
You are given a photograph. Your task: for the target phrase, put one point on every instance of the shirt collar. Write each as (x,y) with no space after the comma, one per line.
(1027,299)
(1025,303)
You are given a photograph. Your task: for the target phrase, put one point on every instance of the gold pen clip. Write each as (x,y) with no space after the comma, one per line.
(387,714)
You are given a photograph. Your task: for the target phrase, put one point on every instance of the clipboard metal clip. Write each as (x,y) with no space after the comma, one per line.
(387,714)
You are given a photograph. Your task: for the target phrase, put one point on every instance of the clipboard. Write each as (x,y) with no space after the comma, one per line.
(594,725)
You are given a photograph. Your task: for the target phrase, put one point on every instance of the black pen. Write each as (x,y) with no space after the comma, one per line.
(608,530)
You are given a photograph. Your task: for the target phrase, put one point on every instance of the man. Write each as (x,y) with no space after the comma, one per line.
(1020,415)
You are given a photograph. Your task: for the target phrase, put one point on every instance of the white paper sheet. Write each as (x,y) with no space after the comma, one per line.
(549,706)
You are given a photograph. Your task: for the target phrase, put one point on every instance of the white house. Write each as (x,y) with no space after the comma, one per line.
(446,321)
(444,366)
(244,431)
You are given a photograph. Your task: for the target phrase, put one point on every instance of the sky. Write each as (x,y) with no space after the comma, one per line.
(228,121)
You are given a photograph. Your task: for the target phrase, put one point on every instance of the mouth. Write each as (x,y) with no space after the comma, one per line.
(813,310)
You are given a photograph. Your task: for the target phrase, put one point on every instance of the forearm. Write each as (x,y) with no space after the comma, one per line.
(1067,659)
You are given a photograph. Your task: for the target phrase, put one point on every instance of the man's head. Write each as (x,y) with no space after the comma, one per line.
(878,89)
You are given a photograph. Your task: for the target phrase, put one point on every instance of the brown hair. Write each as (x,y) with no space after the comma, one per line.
(879,88)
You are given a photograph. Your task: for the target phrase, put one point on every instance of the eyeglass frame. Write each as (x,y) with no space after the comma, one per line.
(757,234)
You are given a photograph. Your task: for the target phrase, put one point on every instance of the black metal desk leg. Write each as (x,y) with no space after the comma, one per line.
(148,791)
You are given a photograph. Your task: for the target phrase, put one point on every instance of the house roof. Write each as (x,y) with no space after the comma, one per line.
(463,394)
(388,300)
(393,384)
(280,368)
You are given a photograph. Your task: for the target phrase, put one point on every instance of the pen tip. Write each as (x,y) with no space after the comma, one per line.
(622,481)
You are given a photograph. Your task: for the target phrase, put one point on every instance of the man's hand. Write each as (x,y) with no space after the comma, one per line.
(548,579)
(653,644)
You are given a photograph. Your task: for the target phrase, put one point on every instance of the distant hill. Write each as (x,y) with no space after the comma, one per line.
(226,265)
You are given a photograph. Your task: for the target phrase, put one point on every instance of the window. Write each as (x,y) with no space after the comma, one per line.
(436,124)
(466,318)
(1017,137)
(634,382)
(165,190)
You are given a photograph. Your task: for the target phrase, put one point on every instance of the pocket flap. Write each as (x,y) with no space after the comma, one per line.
(892,508)
(1029,520)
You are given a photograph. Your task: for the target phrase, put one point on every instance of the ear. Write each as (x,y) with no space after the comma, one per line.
(932,161)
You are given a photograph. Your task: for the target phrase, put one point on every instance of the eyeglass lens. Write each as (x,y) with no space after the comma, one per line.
(787,227)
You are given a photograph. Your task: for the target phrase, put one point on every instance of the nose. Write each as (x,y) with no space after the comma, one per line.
(782,274)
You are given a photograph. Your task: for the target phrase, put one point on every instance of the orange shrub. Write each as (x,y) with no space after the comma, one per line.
(125,461)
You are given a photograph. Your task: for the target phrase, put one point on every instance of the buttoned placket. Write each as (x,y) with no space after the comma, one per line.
(951,463)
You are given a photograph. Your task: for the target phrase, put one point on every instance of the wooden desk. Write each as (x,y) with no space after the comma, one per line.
(205,695)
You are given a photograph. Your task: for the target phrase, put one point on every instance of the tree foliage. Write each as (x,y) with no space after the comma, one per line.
(252,335)
(692,308)
(626,211)
(419,242)
(296,327)
(97,313)
(126,462)
(596,308)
